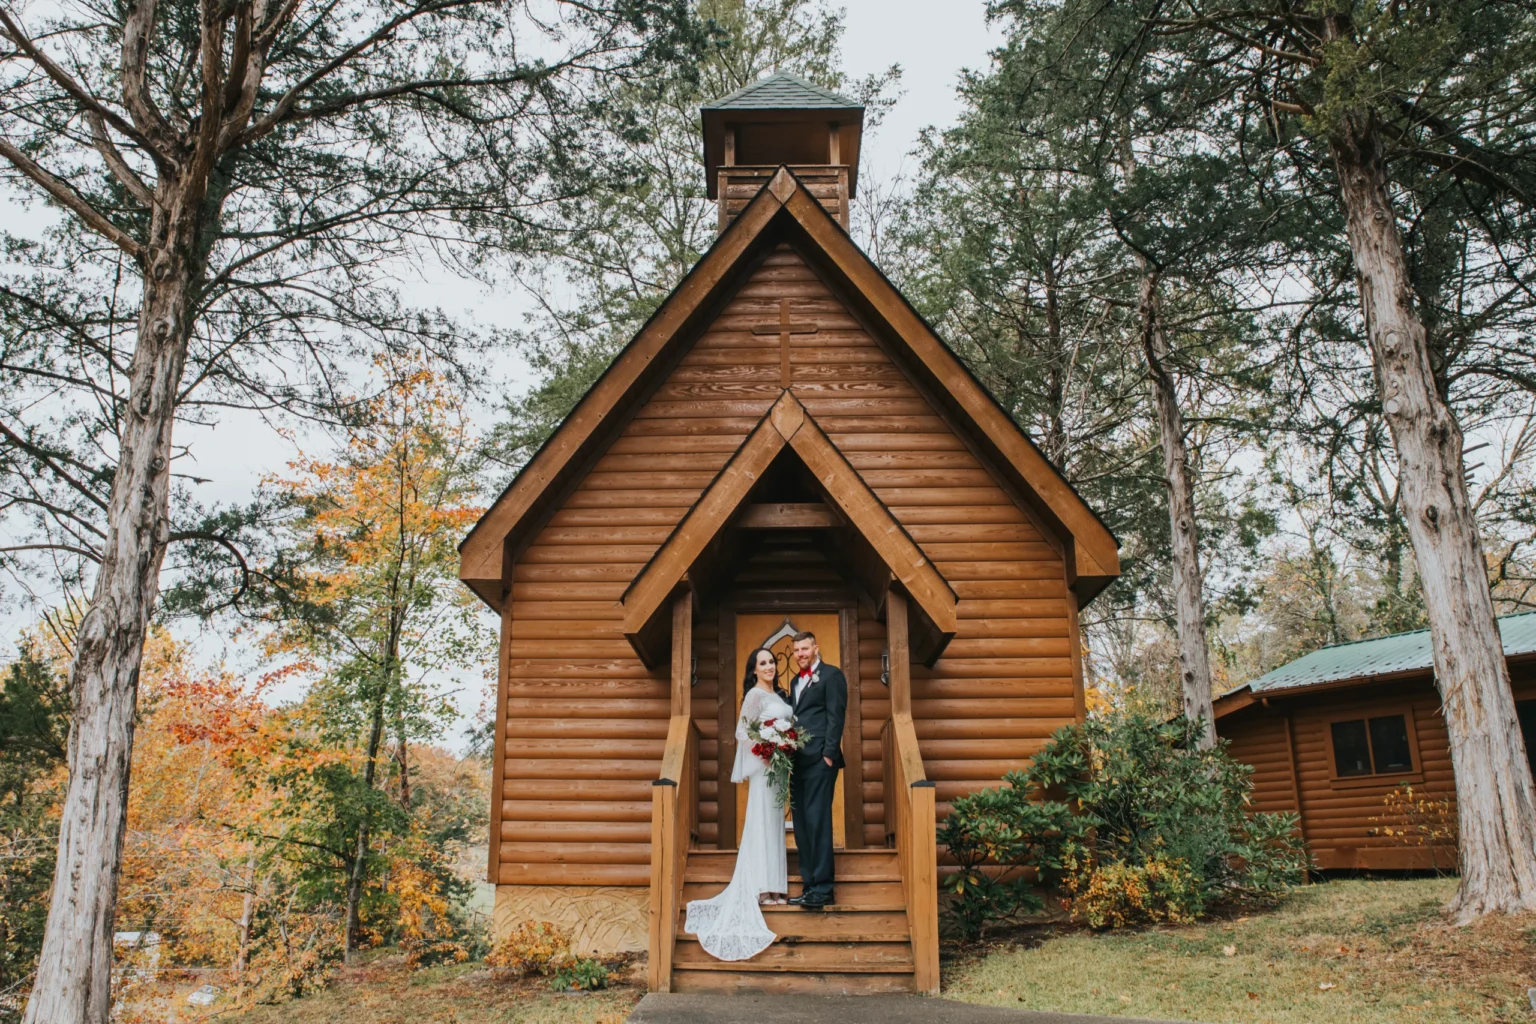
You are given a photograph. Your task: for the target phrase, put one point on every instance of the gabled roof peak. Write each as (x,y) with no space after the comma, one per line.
(783,91)
(785,211)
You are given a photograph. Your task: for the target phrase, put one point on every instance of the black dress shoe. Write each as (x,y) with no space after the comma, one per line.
(799,901)
(813,900)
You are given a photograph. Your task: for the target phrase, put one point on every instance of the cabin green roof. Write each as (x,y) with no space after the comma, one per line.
(783,91)
(1384,656)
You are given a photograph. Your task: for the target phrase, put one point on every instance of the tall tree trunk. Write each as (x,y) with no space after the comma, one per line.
(1056,375)
(1496,807)
(247,919)
(1188,586)
(401,752)
(74,969)
(359,871)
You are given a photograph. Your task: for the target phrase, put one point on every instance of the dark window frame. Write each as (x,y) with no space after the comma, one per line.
(1364,714)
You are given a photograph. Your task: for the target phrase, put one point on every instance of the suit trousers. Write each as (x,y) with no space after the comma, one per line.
(810,800)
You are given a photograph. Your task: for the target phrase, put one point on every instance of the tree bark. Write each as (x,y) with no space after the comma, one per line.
(74,969)
(359,871)
(1496,806)
(247,919)
(1184,534)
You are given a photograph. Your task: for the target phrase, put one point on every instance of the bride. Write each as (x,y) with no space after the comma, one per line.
(730,926)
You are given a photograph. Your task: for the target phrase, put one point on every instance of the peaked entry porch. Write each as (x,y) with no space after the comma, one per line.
(789,538)
(882,933)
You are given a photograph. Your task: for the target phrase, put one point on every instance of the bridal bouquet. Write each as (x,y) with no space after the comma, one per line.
(775,740)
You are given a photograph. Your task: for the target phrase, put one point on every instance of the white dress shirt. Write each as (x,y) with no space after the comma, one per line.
(804,680)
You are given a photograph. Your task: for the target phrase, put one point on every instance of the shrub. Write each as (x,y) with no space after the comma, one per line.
(580,973)
(1117,894)
(533,947)
(1429,823)
(1001,840)
(1160,831)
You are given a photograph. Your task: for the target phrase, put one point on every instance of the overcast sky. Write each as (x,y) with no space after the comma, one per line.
(238,452)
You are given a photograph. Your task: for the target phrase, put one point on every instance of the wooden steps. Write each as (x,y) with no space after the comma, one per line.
(860,945)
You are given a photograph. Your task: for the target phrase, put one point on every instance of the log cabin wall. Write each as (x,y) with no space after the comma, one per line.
(584,722)
(1343,819)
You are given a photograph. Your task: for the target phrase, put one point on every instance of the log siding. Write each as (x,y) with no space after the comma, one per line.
(583,722)
(1344,820)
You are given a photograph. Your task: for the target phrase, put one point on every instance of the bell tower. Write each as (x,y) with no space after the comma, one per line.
(782,119)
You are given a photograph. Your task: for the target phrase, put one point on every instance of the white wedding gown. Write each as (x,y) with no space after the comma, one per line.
(730,926)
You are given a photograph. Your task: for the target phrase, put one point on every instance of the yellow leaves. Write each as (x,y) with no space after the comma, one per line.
(380,520)
(186,803)
(1418,820)
(533,947)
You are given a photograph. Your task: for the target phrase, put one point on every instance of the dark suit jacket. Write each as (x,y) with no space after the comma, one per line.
(821,710)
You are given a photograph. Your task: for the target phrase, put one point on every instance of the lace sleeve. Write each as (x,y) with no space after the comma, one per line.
(747,763)
(751,711)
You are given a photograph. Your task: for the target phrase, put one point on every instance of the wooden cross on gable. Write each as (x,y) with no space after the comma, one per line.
(784,328)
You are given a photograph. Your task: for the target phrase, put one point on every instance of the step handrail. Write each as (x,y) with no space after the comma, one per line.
(674,831)
(911,806)
(912,829)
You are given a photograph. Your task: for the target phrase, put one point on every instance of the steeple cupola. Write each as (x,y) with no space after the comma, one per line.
(782,119)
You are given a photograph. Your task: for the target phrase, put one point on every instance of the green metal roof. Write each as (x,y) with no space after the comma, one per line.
(783,91)
(1383,656)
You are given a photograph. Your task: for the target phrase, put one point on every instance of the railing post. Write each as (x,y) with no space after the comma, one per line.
(912,797)
(923,899)
(664,894)
(674,803)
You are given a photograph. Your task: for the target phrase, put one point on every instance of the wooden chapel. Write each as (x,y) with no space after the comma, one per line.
(785,445)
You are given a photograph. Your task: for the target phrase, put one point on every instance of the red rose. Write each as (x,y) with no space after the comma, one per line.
(790,734)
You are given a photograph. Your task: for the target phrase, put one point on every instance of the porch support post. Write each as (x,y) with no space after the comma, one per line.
(899,644)
(682,654)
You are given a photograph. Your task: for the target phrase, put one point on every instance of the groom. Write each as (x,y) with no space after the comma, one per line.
(820,697)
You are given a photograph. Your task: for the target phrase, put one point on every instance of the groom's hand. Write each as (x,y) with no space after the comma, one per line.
(828,760)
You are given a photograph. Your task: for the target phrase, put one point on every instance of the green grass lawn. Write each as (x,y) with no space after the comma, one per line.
(1344,952)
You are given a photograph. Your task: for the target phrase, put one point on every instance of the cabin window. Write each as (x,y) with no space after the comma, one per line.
(1371,746)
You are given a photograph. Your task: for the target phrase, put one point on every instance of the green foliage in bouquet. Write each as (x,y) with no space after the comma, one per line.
(1161,831)
(776,740)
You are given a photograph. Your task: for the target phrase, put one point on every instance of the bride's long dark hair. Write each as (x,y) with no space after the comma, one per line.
(749,679)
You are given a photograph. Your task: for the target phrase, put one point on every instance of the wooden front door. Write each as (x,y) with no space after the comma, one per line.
(774,630)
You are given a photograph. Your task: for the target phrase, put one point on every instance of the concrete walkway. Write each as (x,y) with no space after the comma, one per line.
(658,1008)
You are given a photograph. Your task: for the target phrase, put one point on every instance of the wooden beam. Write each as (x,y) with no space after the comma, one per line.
(1095,549)
(682,655)
(480,555)
(856,501)
(853,729)
(725,719)
(645,596)
(499,755)
(899,654)
(807,515)
(786,422)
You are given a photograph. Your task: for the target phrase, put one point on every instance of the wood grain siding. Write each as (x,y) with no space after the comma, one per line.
(1343,819)
(1261,740)
(1005,682)
(584,721)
